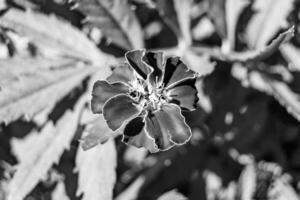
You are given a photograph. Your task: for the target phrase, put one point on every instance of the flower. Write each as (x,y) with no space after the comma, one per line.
(146,97)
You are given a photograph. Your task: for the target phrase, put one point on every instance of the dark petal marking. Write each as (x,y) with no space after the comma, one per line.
(134,127)
(184,95)
(176,71)
(155,61)
(122,73)
(161,138)
(102,91)
(134,58)
(119,109)
(168,123)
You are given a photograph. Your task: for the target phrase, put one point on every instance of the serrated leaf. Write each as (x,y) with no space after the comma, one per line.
(59,192)
(96,171)
(48,147)
(97,133)
(24,81)
(53,37)
(268,50)
(251,55)
(269,18)
(116,21)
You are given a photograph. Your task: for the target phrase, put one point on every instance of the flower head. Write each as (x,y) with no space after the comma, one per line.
(146,96)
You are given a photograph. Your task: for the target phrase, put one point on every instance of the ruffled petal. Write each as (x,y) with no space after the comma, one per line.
(184,95)
(134,134)
(155,61)
(176,72)
(119,109)
(102,91)
(134,58)
(161,138)
(167,126)
(122,73)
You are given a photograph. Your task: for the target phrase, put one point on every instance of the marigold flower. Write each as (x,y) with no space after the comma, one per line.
(146,97)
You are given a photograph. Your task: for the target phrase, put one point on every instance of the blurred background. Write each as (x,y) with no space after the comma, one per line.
(246,131)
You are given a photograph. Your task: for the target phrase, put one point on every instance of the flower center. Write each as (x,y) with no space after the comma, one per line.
(137,86)
(157,97)
(148,96)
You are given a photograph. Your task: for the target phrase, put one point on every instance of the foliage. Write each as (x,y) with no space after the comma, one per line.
(218,81)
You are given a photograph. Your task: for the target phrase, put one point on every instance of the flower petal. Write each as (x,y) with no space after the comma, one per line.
(161,138)
(155,61)
(185,95)
(167,126)
(134,58)
(122,73)
(176,71)
(134,134)
(119,109)
(102,91)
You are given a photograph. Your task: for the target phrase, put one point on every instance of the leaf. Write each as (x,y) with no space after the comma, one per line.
(291,54)
(172,195)
(115,20)
(203,29)
(282,189)
(97,133)
(199,63)
(286,97)
(225,15)
(96,171)
(247,182)
(252,55)
(280,90)
(59,192)
(270,16)
(176,15)
(3,5)
(57,68)
(233,9)
(168,13)
(131,192)
(53,37)
(24,81)
(147,3)
(135,156)
(183,9)
(48,147)
(267,51)
(216,12)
